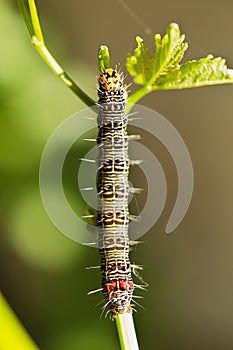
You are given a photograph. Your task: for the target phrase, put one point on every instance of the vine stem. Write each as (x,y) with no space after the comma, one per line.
(32,23)
(13,335)
(126,331)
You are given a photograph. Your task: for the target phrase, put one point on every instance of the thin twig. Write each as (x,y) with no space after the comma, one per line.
(32,23)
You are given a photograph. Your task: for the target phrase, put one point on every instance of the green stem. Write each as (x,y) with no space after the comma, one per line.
(13,335)
(26,17)
(126,332)
(137,95)
(35,32)
(35,20)
(144,90)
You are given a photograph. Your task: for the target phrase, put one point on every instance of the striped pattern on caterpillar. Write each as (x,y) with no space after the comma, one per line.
(113,189)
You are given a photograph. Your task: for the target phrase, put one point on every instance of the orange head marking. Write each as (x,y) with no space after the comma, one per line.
(110,80)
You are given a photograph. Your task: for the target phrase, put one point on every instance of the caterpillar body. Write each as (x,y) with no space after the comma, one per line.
(112,189)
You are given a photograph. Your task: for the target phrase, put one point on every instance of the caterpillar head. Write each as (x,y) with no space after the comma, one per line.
(111,87)
(110,80)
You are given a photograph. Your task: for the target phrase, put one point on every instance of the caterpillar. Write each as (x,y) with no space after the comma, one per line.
(112,189)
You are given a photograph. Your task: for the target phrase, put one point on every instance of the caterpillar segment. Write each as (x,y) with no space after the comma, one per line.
(113,188)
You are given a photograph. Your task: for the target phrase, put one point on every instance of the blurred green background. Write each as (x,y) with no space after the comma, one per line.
(190,272)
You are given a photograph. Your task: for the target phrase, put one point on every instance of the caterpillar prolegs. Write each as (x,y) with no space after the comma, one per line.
(113,189)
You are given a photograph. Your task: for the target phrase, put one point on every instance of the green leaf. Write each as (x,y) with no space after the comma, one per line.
(168,52)
(162,70)
(206,71)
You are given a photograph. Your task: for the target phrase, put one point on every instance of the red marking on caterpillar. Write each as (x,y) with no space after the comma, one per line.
(120,284)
